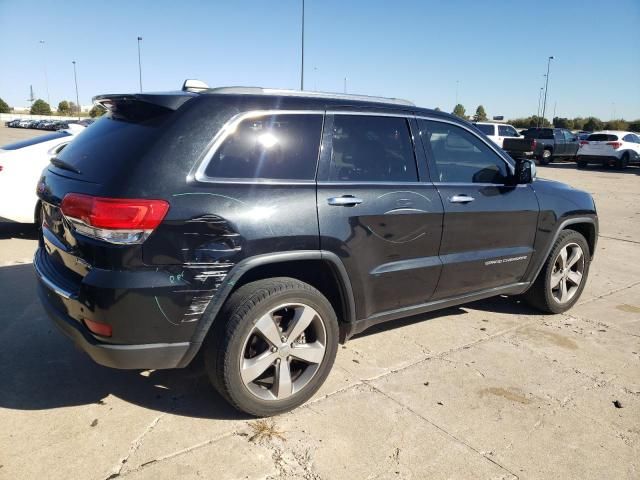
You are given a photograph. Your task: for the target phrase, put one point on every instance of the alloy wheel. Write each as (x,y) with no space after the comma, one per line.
(283,351)
(566,276)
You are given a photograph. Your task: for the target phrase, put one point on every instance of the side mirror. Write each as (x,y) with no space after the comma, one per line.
(525,171)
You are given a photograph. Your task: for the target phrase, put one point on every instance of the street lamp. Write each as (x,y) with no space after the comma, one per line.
(75,77)
(539,106)
(302,51)
(457,82)
(345,84)
(44,63)
(139,63)
(546,88)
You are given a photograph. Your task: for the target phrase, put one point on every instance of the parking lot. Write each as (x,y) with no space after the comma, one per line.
(492,389)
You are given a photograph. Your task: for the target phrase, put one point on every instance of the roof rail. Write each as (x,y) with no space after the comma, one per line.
(306,94)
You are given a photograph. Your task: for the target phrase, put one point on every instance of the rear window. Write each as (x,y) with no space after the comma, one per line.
(486,129)
(541,133)
(277,147)
(113,144)
(36,140)
(602,137)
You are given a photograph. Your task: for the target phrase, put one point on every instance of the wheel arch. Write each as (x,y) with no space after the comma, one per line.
(323,270)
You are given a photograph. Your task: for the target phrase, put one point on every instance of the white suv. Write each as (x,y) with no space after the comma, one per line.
(497,131)
(609,148)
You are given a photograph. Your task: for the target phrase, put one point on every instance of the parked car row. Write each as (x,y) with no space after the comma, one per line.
(606,148)
(52,125)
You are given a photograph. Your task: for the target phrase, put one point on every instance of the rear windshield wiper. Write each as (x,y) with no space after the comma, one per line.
(64,165)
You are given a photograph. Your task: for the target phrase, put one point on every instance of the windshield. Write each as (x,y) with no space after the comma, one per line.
(36,140)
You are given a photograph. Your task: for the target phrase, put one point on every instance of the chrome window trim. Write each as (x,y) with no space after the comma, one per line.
(198,173)
(407,115)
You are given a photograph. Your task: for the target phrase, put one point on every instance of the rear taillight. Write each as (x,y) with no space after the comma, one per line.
(534,144)
(114,220)
(1,167)
(584,142)
(615,145)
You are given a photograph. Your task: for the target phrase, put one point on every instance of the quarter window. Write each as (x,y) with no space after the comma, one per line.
(507,131)
(369,148)
(279,147)
(459,156)
(486,129)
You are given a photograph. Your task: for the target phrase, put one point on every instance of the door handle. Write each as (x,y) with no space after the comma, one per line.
(461,199)
(344,201)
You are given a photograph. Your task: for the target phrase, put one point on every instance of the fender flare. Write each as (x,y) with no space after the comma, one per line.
(244,266)
(565,223)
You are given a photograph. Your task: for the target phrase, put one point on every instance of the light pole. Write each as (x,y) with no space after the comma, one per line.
(539,106)
(457,82)
(139,63)
(75,77)
(345,84)
(44,63)
(546,88)
(315,78)
(302,51)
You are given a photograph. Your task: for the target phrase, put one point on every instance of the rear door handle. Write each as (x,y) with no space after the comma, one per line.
(344,201)
(461,199)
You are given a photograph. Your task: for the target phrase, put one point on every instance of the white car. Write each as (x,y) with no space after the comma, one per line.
(21,164)
(497,131)
(609,148)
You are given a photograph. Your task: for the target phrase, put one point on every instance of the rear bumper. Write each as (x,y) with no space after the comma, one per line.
(52,295)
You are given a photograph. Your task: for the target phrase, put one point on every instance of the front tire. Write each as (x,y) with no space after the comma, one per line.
(563,276)
(272,346)
(582,164)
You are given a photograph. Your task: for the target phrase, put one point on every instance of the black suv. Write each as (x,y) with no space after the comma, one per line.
(262,227)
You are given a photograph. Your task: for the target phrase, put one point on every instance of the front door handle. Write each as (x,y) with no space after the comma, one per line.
(461,199)
(344,201)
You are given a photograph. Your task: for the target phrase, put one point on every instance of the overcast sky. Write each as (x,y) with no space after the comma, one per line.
(496,51)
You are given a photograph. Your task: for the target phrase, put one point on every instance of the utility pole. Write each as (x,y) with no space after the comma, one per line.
(75,77)
(315,78)
(139,63)
(345,84)
(555,104)
(546,89)
(302,41)
(31,97)
(457,82)
(44,64)
(539,106)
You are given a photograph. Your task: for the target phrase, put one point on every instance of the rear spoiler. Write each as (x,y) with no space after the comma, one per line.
(169,101)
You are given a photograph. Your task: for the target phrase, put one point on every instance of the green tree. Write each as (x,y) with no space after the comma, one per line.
(4,108)
(64,108)
(578,123)
(560,122)
(529,122)
(97,111)
(616,125)
(593,124)
(40,107)
(73,108)
(460,111)
(634,125)
(481,115)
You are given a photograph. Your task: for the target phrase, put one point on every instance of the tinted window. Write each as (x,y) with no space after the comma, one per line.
(281,147)
(460,156)
(541,133)
(371,149)
(486,129)
(507,131)
(630,138)
(568,136)
(36,140)
(602,137)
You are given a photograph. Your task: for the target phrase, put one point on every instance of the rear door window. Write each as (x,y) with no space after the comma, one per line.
(507,131)
(369,148)
(271,147)
(486,129)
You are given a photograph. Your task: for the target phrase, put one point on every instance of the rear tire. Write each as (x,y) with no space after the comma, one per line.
(561,282)
(545,159)
(255,329)
(581,163)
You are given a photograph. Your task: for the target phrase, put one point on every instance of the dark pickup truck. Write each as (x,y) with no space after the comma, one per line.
(552,144)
